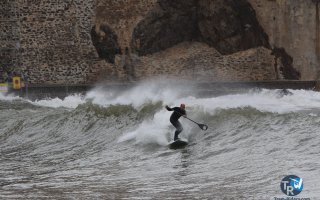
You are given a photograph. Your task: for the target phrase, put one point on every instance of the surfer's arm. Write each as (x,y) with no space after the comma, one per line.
(184,115)
(168,108)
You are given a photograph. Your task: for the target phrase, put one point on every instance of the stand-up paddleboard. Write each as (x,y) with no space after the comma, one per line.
(178,144)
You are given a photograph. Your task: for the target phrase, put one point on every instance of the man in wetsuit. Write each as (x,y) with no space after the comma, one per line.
(174,119)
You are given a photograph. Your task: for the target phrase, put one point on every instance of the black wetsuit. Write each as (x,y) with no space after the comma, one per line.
(174,119)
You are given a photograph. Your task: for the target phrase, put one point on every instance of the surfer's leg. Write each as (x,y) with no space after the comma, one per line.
(178,131)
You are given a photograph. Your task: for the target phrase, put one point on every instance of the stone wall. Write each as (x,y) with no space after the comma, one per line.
(50,39)
(84,41)
(9,36)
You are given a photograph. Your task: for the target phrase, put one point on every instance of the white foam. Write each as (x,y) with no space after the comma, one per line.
(169,92)
(266,101)
(150,131)
(145,92)
(71,101)
(8,97)
(157,130)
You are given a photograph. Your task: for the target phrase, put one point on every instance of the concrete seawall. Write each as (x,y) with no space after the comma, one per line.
(199,89)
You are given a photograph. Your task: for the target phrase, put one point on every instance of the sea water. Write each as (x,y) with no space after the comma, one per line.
(110,144)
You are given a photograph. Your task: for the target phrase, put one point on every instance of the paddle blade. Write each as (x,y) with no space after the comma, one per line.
(203,126)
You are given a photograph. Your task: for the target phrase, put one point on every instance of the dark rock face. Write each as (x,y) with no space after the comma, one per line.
(227,25)
(107,45)
(287,70)
(230,25)
(170,23)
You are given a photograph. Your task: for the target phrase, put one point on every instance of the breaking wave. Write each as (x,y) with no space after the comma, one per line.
(115,143)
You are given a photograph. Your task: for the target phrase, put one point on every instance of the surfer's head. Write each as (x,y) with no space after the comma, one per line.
(183,106)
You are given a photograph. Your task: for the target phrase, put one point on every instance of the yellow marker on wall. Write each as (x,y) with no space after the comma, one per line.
(3,87)
(16,82)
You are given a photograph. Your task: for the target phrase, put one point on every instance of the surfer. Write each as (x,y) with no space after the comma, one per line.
(174,119)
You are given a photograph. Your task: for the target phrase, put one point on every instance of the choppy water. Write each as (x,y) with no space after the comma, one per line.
(113,145)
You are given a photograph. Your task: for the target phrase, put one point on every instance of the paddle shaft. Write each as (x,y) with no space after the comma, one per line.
(190,119)
(201,126)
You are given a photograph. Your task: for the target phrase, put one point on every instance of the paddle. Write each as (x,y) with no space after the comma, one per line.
(201,126)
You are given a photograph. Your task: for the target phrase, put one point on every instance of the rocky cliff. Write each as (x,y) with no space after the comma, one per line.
(76,41)
(293,25)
